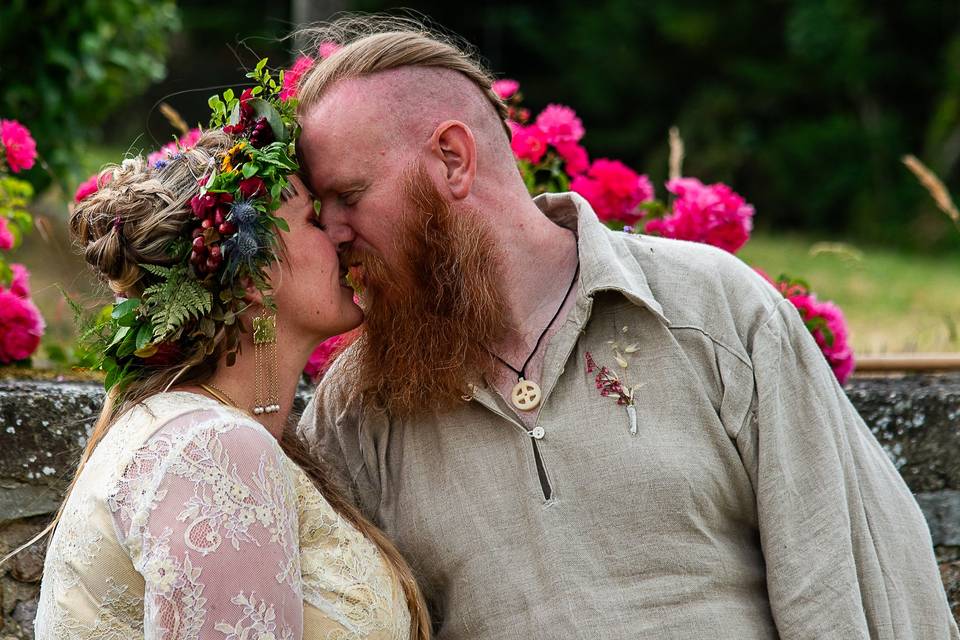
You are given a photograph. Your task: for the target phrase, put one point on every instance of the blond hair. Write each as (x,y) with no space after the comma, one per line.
(133,217)
(372,44)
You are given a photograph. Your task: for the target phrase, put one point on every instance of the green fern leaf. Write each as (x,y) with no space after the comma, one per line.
(175,300)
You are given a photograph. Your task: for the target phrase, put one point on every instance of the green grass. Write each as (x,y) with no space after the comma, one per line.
(893,302)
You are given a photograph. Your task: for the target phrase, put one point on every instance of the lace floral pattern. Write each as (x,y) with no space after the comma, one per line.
(189,521)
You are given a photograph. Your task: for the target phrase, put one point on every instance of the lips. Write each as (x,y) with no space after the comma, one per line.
(352,275)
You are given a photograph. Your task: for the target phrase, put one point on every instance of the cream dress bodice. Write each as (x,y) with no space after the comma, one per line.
(189,521)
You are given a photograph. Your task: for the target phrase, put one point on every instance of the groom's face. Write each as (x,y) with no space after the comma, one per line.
(356,170)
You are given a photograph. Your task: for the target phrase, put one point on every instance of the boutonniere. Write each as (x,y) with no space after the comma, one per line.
(613,385)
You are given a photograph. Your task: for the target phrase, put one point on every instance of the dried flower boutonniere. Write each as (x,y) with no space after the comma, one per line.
(610,384)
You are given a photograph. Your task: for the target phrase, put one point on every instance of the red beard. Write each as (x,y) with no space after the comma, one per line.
(430,317)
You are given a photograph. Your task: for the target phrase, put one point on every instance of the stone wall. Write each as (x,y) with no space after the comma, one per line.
(43,426)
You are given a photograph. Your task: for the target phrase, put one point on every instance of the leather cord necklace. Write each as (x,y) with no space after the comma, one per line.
(526,394)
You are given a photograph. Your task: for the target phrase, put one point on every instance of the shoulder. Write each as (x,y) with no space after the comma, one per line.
(704,288)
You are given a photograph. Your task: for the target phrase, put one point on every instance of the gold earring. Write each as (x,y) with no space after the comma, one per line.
(265,364)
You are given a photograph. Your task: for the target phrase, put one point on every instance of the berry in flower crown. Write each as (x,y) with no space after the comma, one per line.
(189,304)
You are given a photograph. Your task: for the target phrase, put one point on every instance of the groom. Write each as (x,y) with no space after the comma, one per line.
(724,487)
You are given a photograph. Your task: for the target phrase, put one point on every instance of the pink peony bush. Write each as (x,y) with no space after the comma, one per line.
(712,214)
(18,146)
(21,325)
(560,124)
(158,159)
(323,355)
(291,78)
(825,322)
(505,89)
(614,190)
(6,236)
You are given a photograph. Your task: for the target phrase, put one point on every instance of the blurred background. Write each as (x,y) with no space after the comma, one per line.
(805,107)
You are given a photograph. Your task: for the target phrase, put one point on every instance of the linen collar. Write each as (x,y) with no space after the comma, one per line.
(606,261)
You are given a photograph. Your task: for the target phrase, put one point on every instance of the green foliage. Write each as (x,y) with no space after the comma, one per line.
(68,65)
(15,197)
(175,299)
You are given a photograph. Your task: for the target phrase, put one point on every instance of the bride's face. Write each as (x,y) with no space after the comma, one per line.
(308,288)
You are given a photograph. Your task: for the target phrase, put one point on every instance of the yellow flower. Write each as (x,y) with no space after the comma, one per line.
(232,157)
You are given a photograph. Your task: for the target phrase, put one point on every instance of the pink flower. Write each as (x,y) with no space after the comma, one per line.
(327,49)
(6,236)
(575,158)
(614,190)
(91,185)
(713,214)
(322,357)
(158,159)
(528,143)
(20,283)
(560,124)
(829,328)
(21,326)
(18,145)
(291,78)
(505,88)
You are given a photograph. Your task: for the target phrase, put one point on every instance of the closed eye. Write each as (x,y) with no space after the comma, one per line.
(349,198)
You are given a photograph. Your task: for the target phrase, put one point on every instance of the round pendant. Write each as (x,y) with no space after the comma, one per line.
(525,395)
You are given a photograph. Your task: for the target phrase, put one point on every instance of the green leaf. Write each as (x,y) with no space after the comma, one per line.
(143,336)
(281,224)
(262,108)
(124,308)
(119,336)
(113,376)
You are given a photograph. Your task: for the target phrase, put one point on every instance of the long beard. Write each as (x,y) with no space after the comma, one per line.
(431,317)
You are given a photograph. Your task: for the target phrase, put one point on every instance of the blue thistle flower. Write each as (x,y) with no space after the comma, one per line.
(240,251)
(246,245)
(243,213)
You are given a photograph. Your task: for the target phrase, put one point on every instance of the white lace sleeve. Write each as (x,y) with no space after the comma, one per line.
(208,511)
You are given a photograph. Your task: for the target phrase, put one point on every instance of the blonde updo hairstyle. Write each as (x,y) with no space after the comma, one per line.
(139,210)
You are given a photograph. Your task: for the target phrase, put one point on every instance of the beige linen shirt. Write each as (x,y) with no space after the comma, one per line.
(752,502)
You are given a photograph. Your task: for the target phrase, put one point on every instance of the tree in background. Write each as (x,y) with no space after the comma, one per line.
(805,104)
(67,65)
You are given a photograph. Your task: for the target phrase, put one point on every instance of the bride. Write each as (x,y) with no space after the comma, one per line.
(192,514)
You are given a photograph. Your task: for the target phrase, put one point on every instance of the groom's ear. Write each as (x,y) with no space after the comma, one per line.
(453,144)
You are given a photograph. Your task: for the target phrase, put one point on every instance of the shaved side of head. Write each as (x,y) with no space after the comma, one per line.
(418,78)
(414,101)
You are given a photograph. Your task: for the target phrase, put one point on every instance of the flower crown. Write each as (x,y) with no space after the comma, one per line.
(232,237)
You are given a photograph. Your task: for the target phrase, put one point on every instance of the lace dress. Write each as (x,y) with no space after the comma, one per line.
(190,522)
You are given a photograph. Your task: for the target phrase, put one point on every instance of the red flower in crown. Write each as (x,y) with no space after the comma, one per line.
(246,115)
(252,187)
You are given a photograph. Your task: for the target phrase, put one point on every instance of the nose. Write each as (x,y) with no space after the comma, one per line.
(339,232)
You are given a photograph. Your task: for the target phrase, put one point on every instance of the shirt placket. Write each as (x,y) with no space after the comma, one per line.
(557,353)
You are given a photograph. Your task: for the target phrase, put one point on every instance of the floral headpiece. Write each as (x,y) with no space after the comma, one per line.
(232,237)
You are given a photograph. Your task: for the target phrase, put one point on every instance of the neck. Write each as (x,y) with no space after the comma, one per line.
(539,261)
(239,382)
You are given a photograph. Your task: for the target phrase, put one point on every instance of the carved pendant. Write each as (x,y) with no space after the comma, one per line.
(525,395)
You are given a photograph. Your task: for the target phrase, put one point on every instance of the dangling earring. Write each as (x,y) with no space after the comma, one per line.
(265,364)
